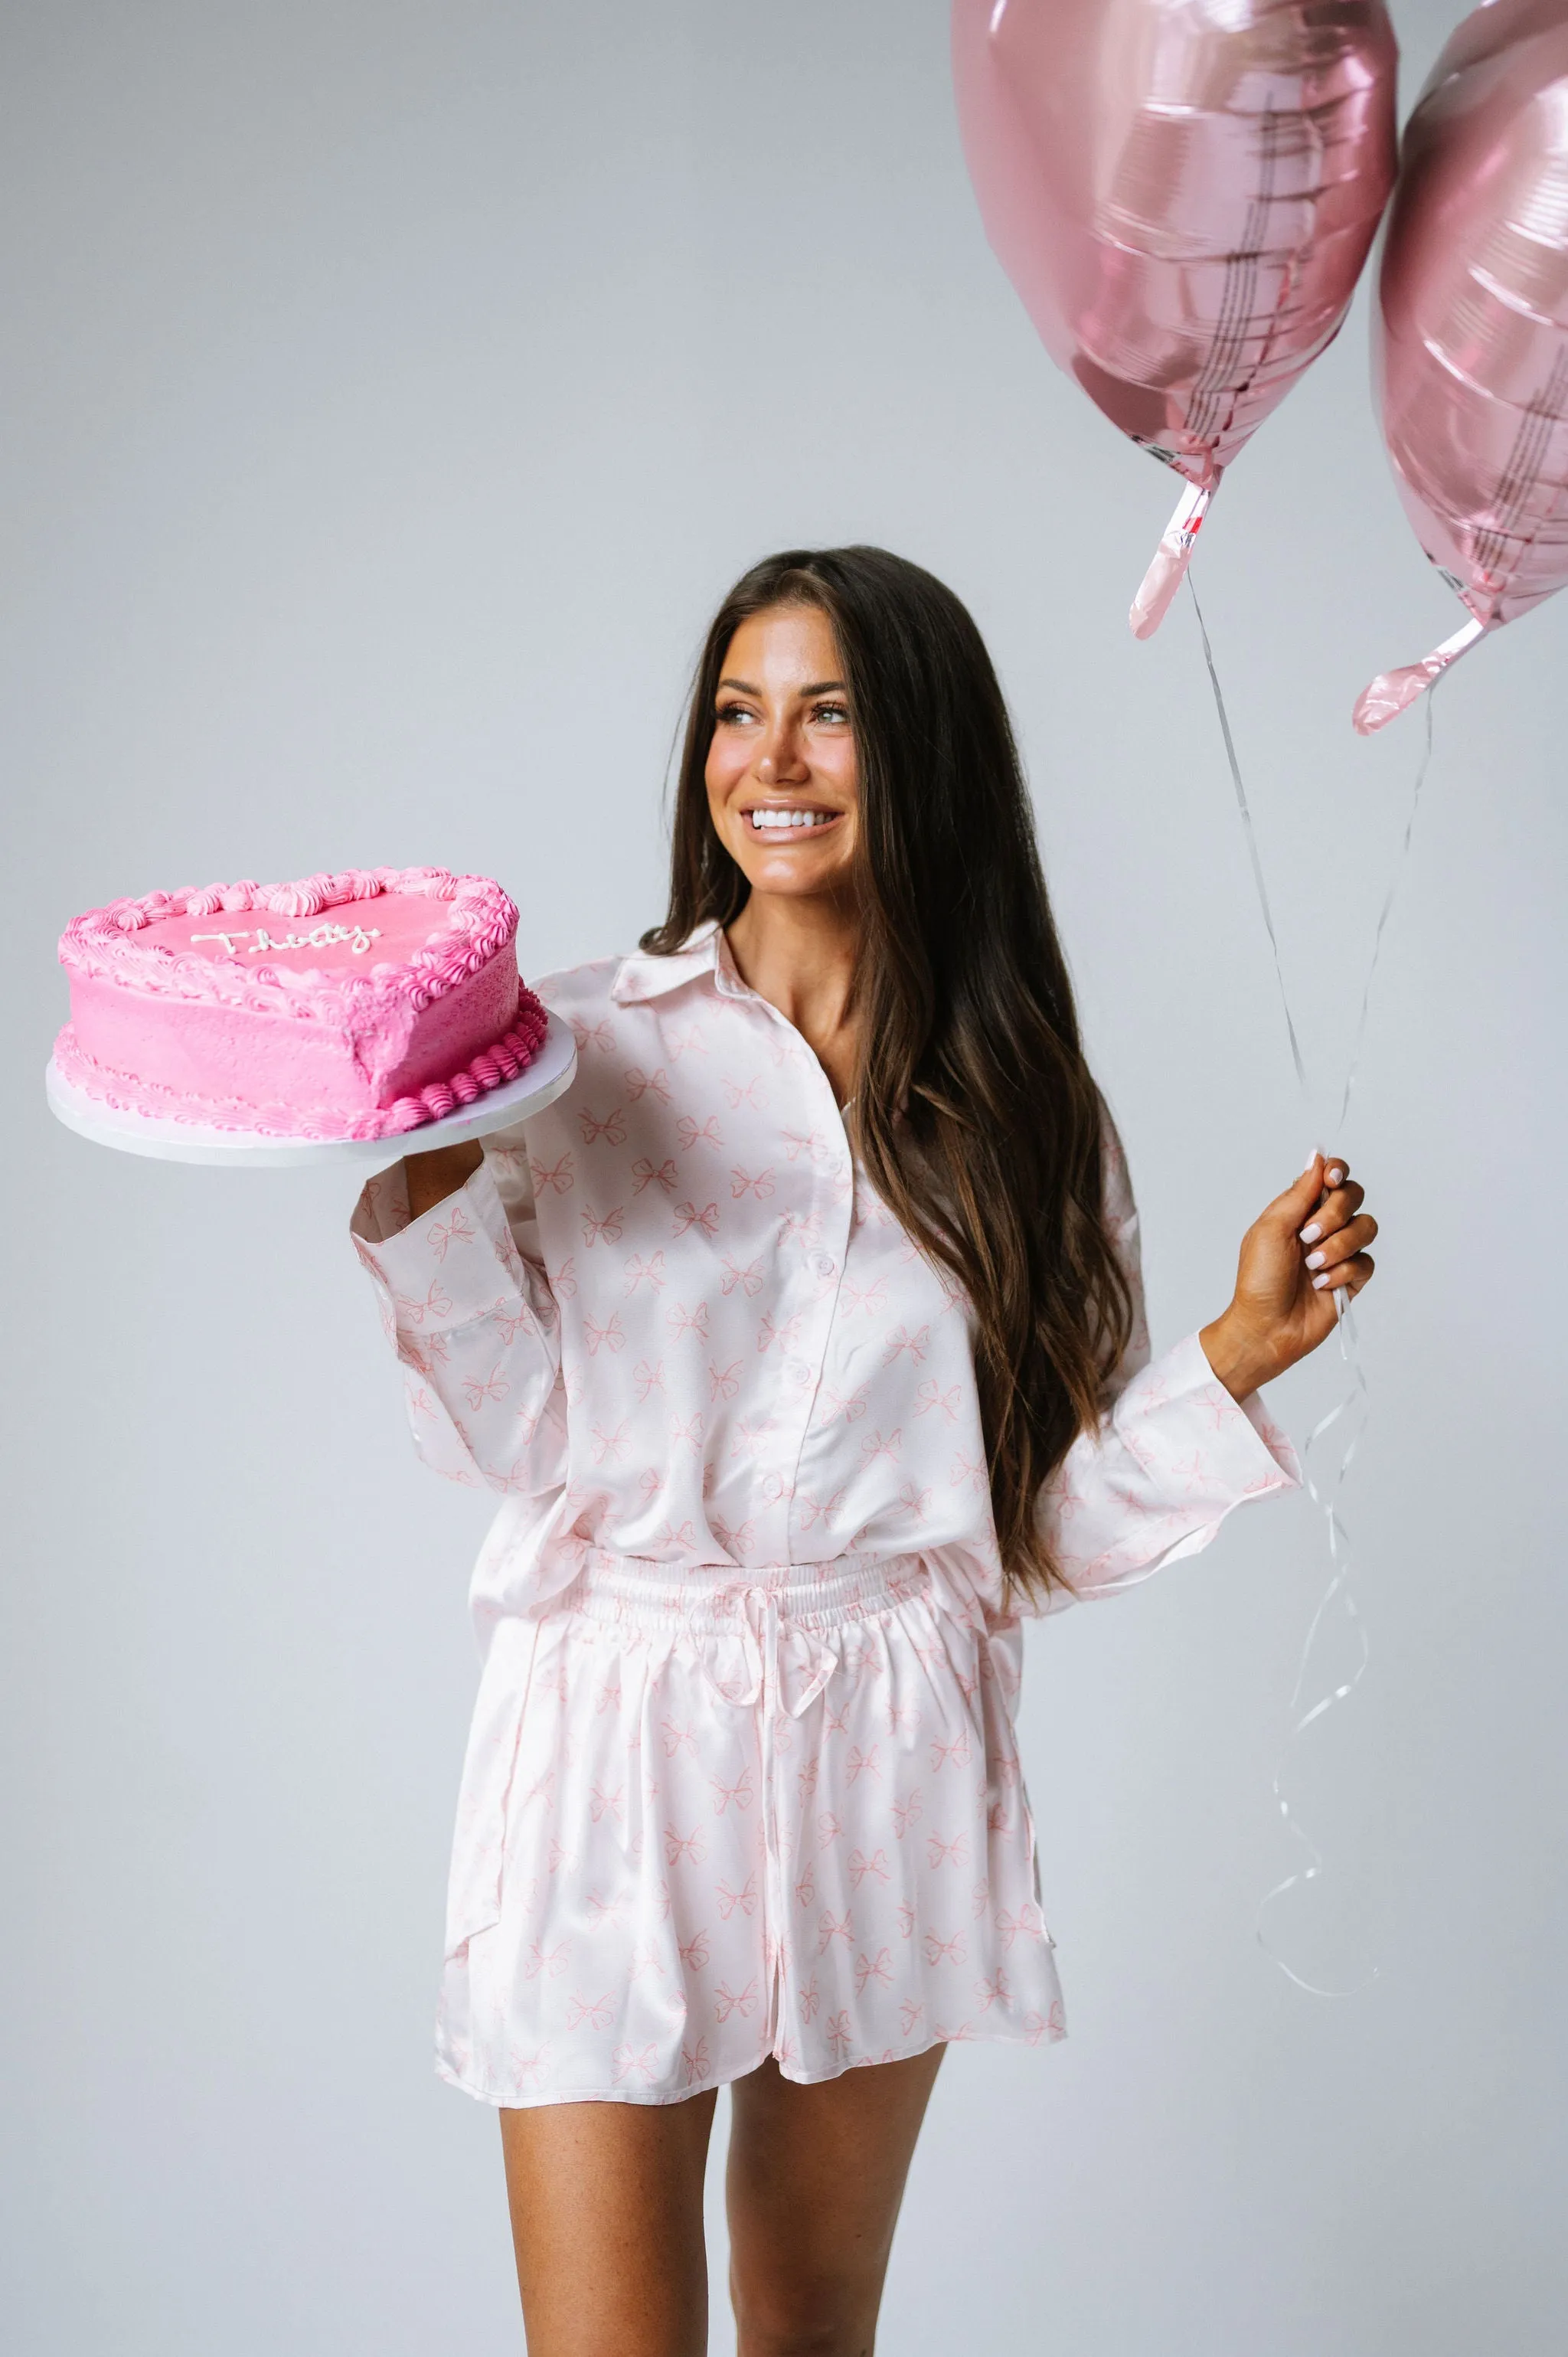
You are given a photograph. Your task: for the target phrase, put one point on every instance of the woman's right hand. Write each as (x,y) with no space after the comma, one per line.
(432,1176)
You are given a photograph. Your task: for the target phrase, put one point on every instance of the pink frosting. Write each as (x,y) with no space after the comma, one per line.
(357,1004)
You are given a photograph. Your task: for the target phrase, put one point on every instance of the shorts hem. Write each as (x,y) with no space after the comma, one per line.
(536,2100)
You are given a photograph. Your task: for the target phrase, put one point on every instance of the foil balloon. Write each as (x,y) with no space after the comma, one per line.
(1183,193)
(1470,341)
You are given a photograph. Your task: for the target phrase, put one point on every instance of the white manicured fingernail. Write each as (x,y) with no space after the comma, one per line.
(1335,1175)
(1310,1235)
(1314,1260)
(1321,1280)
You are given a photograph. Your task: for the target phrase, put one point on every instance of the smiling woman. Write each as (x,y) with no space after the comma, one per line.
(803,1345)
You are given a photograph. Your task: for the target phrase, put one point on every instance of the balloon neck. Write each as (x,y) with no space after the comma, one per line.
(1171,559)
(1392,691)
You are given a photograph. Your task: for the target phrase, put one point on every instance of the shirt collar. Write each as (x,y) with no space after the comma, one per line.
(646,975)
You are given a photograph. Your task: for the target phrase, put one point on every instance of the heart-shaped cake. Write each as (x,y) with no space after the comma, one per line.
(352,1005)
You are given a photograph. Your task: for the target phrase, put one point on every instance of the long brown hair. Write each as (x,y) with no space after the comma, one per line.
(973,1112)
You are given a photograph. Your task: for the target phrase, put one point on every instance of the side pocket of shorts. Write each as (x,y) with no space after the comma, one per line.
(489,1772)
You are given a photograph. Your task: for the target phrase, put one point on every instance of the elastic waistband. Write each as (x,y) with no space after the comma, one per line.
(639,1589)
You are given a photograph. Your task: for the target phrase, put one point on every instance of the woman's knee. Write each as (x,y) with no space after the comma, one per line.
(804,2317)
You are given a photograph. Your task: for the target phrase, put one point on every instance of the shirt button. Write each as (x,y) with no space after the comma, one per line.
(824,1264)
(797,1371)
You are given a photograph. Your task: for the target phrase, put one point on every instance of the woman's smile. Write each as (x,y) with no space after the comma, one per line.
(791,823)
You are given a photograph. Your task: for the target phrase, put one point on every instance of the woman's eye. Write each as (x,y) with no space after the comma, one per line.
(836,713)
(730,713)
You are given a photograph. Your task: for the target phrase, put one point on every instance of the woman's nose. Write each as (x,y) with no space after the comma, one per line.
(781,760)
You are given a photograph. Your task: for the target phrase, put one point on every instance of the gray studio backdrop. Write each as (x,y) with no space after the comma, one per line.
(391,390)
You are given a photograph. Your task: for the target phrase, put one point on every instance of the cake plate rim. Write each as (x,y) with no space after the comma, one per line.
(547,1077)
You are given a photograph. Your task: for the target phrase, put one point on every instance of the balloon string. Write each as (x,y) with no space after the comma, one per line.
(1354,1404)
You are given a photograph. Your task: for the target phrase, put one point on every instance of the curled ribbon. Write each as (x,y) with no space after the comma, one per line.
(1353,1405)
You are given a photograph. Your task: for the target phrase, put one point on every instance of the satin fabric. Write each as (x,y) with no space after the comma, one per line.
(742,1779)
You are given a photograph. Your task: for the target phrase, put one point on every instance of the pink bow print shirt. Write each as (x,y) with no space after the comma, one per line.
(730,1413)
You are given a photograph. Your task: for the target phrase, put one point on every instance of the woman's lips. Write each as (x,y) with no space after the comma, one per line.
(785,821)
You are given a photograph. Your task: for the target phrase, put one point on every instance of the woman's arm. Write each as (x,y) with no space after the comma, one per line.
(1182,1439)
(467,1307)
(432,1176)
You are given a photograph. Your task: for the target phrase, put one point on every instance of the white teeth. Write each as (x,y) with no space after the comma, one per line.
(769,819)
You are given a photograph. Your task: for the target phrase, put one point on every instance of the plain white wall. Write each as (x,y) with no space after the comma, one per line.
(392,391)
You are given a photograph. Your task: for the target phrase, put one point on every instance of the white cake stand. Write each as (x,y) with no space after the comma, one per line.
(549,1076)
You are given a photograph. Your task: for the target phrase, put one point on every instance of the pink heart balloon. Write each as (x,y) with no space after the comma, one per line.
(1183,193)
(1470,341)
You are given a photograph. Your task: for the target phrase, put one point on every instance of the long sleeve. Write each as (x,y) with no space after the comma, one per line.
(1173,1453)
(466,1306)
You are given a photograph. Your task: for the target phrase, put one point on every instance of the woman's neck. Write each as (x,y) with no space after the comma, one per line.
(798,952)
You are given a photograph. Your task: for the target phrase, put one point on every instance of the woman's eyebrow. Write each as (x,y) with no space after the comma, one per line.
(818,687)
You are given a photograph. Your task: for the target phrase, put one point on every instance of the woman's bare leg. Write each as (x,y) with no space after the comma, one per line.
(816,2175)
(607,2218)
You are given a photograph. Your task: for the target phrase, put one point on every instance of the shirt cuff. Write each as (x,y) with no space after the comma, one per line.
(1248,1450)
(456,1263)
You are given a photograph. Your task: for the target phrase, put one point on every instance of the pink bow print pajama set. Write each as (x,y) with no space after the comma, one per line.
(742,1779)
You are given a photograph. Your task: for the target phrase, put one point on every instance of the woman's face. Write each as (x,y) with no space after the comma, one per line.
(781,774)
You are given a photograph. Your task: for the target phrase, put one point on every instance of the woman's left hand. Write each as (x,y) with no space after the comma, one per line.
(1305,1247)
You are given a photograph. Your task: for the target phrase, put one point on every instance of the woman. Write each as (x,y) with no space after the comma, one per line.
(805,1336)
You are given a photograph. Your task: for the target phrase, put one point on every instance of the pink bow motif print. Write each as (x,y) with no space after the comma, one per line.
(458,1228)
(555,1178)
(1025,1924)
(786,1334)
(649,1174)
(608,1337)
(597,2012)
(741,1792)
(435,1304)
(611,1128)
(493,1386)
(931,1394)
(831,1927)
